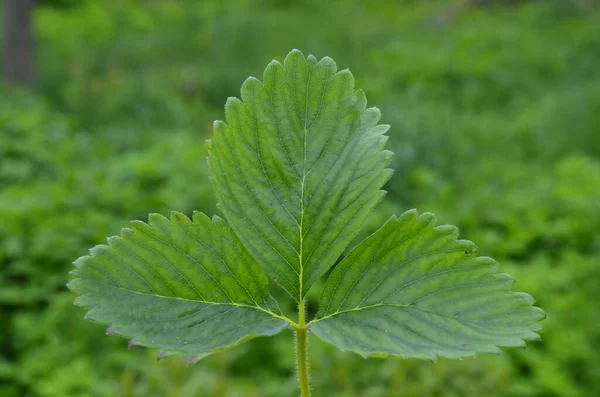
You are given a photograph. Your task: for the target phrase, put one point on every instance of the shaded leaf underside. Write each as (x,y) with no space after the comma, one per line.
(179,285)
(298,167)
(413,290)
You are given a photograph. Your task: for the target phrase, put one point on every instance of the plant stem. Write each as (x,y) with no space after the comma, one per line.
(301,336)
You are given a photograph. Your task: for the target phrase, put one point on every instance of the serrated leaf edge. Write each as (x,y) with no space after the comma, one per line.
(111,330)
(534,331)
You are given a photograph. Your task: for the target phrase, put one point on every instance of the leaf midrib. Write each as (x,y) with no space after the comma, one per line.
(302,183)
(399,306)
(412,304)
(262,309)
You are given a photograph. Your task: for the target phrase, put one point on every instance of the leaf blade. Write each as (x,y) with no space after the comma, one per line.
(181,285)
(412,289)
(313,165)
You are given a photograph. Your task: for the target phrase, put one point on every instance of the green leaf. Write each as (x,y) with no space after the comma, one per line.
(298,166)
(182,286)
(413,290)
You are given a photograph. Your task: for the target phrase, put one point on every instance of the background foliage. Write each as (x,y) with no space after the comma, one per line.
(495,115)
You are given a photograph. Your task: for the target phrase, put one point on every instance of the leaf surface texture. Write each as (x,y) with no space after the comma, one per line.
(298,166)
(180,285)
(412,289)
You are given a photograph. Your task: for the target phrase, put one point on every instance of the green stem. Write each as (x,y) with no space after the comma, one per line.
(301,335)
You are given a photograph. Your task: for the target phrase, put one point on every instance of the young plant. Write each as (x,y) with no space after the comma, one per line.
(297,168)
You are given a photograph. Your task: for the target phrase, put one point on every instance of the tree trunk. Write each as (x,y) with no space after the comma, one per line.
(17,41)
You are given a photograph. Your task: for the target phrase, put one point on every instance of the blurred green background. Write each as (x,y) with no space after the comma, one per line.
(495,114)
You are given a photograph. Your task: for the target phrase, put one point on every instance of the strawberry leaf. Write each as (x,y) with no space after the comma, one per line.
(298,167)
(178,285)
(413,290)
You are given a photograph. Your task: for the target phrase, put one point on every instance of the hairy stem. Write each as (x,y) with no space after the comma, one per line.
(302,359)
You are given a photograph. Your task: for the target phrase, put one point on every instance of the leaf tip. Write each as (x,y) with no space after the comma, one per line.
(295,51)
(373,114)
(200,217)
(273,63)
(110,330)
(100,248)
(77,301)
(539,314)
(80,262)
(329,63)
(155,218)
(179,217)
(218,125)
(382,129)
(535,337)
(250,87)
(292,57)
(408,215)
(71,285)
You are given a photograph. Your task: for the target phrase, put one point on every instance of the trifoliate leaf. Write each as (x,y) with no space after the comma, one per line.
(298,166)
(413,290)
(179,285)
